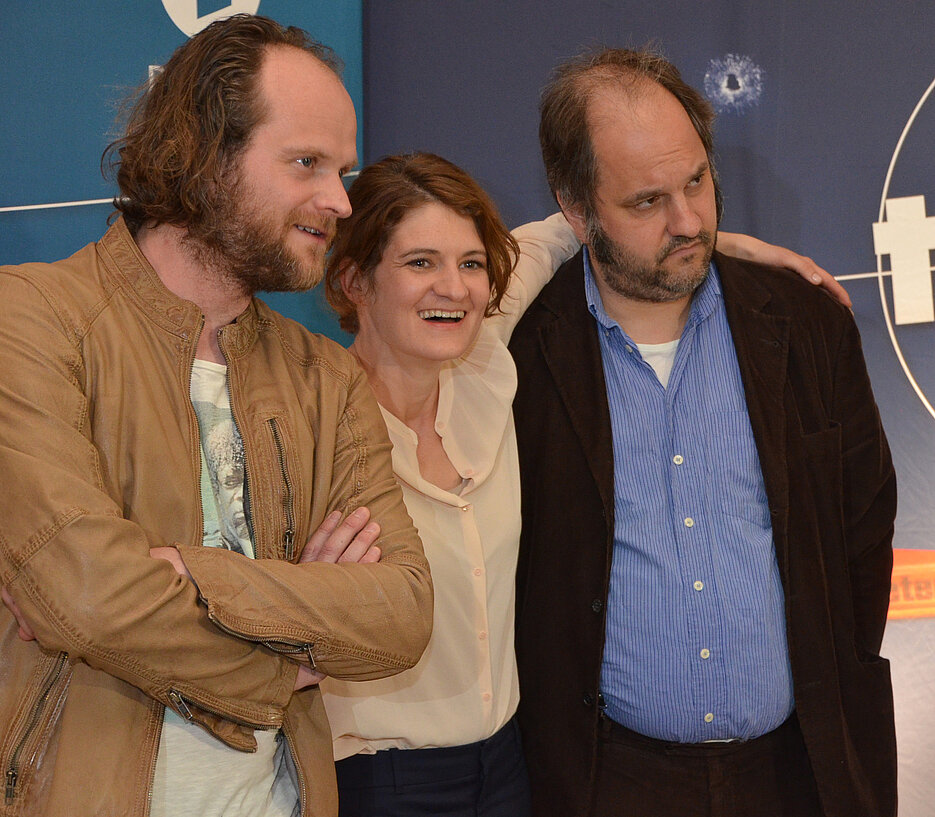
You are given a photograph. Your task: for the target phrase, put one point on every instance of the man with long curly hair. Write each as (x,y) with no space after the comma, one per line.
(143,670)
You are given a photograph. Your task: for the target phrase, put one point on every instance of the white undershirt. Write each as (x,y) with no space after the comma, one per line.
(196,773)
(661,357)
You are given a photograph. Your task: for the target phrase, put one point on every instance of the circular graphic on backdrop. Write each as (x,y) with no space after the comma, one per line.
(906,235)
(733,83)
(184,13)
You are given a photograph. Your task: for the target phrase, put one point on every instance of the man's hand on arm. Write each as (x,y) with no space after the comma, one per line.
(25,631)
(334,541)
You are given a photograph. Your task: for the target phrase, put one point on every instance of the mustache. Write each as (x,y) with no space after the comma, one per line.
(326,225)
(678,242)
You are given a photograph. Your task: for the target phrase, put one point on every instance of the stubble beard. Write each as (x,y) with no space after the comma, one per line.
(632,277)
(247,250)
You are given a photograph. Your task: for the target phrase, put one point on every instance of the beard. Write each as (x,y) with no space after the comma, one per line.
(247,248)
(633,277)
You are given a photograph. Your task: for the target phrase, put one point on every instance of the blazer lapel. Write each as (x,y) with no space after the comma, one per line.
(572,353)
(761,340)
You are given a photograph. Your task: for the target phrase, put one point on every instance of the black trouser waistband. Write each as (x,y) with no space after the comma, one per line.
(407,767)
(610,728)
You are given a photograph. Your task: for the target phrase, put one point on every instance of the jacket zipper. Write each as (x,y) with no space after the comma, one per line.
(298,770)
(160,721)
(282,647)
(288,536)
(181,707)
(12,772)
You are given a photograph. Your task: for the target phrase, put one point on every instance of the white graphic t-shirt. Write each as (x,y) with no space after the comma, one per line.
(195,772)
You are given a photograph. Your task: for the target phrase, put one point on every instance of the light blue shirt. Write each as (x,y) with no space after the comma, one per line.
(695,643)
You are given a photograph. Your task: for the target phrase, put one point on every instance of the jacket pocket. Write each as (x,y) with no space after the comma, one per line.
(287,540)
(30,731)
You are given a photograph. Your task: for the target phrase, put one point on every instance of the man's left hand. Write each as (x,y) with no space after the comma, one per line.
(25,631)
(173,557)
(348,541)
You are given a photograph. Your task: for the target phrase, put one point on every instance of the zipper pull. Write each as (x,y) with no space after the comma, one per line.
(10,785)
(288,539)
(180,705)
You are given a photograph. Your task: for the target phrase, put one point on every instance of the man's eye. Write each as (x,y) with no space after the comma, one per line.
(696,181)
(646,204)
(306,161)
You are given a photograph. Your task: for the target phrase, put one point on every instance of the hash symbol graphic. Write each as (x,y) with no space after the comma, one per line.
(907,237)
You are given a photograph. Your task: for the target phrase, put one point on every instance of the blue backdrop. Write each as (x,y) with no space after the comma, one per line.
(67,67)
(813,101)
(824,117)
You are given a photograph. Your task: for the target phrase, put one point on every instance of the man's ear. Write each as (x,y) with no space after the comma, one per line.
(574,214)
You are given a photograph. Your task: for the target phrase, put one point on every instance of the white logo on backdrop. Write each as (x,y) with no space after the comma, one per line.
(733,83)
(907,235)
(184,13)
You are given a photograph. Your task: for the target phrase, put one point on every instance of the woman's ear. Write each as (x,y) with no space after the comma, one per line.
(352,284)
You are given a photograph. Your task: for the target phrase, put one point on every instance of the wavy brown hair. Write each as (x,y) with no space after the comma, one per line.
(187,126)
(383,194)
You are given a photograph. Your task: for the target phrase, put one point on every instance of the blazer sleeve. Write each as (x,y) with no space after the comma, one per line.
(869,491)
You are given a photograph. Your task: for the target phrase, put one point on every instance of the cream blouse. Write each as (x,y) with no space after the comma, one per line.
(465,686)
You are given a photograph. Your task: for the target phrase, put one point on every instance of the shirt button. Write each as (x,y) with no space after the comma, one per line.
(689,522)
(698,585)
(597,605)
(705,653)
(486,696)
(482,635)
(469,472)
(465,508)
(678,459)
(630,349)
(708,718)
(477,571)
(587,699)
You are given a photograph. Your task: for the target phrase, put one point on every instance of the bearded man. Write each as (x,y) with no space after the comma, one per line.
(140,671)
(708,496)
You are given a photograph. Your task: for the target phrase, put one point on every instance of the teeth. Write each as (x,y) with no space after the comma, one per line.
(310,230)
(441,313)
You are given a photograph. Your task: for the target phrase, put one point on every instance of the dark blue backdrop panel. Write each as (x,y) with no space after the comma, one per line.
(68,66)
(809,124)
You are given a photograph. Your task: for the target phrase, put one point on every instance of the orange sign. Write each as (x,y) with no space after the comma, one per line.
(912,593)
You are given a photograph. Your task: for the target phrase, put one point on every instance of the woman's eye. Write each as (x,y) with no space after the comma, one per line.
(419,263)
(473,264)
(306,161)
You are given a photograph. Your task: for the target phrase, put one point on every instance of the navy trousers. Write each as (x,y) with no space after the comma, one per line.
(484,779)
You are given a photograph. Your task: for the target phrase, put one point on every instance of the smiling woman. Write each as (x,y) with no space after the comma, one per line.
(416,269)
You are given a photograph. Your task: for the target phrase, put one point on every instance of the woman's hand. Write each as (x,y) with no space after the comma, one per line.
(752,249)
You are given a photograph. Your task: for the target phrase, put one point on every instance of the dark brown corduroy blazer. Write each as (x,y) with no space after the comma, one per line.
(832,496)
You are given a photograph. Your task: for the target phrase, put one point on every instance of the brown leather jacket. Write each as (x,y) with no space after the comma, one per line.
(99,461)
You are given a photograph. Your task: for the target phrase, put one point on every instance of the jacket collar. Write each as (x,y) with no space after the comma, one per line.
(127,266)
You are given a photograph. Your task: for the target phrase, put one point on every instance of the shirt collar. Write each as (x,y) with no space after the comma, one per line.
(705,301)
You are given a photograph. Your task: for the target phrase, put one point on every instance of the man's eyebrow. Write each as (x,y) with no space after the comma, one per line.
(651,192)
